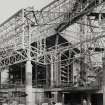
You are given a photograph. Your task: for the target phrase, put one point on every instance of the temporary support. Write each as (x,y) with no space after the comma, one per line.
(0,79)
(39,96)
(63,97)
(57,63)
(55,72)
(58,97)
(30,100)
(52,72)
(56,67)
(82,59)
(55,96)
(4,75)
(29,97)
(103,59)
(89,99)
(82,72)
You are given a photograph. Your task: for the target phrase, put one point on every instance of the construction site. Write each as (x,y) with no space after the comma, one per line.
(54,55)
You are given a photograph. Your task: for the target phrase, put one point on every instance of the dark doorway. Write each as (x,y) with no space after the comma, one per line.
(97,99)
(73,98)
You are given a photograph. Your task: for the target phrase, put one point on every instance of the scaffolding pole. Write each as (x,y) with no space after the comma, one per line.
(29,98)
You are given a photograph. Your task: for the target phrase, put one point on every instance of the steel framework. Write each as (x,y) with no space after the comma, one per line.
(28,30)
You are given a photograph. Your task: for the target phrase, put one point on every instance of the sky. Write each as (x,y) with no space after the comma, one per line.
(10,7)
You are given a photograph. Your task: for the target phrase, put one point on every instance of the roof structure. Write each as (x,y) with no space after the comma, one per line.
(79,22)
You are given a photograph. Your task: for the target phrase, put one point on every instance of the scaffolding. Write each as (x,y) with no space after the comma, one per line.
(54,39)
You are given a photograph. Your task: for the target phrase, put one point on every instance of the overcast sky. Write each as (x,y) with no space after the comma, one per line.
(9,7)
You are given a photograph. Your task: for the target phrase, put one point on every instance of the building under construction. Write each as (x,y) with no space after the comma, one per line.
(56,54)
